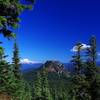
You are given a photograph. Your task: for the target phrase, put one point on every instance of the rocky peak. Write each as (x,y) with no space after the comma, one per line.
(54,66)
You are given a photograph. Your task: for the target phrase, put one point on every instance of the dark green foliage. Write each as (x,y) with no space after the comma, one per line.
(79,90)
(7,79)
(22,88)
(41,87)
(22,91)
(91,70)
(11,81)
(59,86)
(16,61)
(37,88)
(85,82)
(2,56)
(9,15)
(77,61)
(91,61)
(45,87)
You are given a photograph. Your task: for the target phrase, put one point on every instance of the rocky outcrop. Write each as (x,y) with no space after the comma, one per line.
(54,66)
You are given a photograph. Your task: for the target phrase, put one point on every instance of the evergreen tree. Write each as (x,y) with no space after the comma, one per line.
(91,70)
(91,62)
(6,76)
(28,91)
(41,87)
(79,90)
(16,61)
(45,87)
(77,61)
(21,89)
(37,88)
(3,69)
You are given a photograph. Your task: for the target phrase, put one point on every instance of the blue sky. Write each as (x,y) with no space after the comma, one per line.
(53,27)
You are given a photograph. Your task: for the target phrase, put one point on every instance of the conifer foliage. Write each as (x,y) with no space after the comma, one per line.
(16,61)
(22,89)
(9,15)
(7,79)
(45,87)
(11,81)
(41,87)
(79,90)
(86,85)
(91,70)
(37,88)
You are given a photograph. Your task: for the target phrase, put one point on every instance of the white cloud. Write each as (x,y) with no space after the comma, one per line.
(27,61)
(84,46)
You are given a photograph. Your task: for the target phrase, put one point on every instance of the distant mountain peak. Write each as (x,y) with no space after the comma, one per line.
(54,66)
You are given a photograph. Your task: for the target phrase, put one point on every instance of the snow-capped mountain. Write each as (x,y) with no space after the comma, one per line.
(27,65)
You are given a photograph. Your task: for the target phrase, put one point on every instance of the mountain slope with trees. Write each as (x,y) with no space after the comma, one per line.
(57,77)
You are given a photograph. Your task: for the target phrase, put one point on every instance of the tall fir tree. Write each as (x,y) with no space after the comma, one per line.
(22,90)
(16,61)
(91,61)
(6,80)
(79,89)
(91,70)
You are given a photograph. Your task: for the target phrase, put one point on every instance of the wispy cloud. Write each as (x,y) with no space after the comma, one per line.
(27,61)
(84,46)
